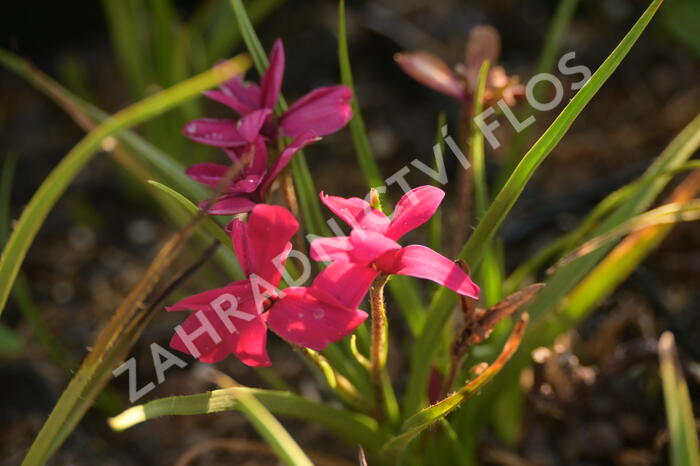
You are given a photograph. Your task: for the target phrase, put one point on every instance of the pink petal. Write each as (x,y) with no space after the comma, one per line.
(238,230)
(414,209)
(229,205)
(269,230)
(343,283)
(367,246)
(202,301)
(421,262)
(250,125)
(430,71)
(337,248)
(213,132)
(295,146)
(271,81)
(242,96)
(245,185)
(247,341)
(209,174)
(303,319)
(323,111)
(357,213)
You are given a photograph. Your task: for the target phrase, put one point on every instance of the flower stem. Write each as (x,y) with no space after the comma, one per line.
(380,334)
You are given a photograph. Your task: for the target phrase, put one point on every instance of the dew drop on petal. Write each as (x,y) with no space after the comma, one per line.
(319,314)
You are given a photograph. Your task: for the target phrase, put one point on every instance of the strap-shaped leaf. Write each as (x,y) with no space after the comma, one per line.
(365,157)
(478,242)
(353,428)
(684,449)
(56,183)
(432,414)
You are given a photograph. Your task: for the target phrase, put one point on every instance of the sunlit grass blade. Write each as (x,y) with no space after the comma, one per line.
(303,182)
(55,184)
(666,215)
(365,157)
(682,429)
(616,266)
(211,226)
(118,336)
(269,428)
(353,428)
(545,64)
(432,414)
(630,253)
(573,238)
(480,239)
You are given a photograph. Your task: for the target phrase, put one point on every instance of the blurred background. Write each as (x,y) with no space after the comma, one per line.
(100,237)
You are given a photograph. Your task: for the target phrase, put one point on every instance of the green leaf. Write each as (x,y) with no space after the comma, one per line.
(432,414)
(365,157)
(478,242)
(211,226)
(684,449)
(353,428)
(56,183)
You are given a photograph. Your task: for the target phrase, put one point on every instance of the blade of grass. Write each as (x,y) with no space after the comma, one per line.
(352,427)
(432,414)
(211,226)
(478,242)
(543,329)
(118,336)
(666,215)
(56,183)
(545,64)
(365,156)
(627,255)
(683,434)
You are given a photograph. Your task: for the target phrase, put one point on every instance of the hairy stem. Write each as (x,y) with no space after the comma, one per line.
(380,333)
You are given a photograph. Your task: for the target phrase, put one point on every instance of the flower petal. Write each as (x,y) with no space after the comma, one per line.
(247,341)
(336,248)
(230,205)
(295,146)
(343,283)
(430,71)
(301,318)
(213,132)
(208,174)
(421,262)
(414,209)
(356,212)
(250,125)
(367,246)
(484,43)
(202,301)
(323,111)
(241,96)
(271,81)
(262,244)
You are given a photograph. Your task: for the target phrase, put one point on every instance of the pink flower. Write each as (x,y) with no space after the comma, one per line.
(235,319)
(484,43)
(322,111)
(252,183)
(372,242)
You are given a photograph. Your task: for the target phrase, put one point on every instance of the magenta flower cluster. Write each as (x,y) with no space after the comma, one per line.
(235,319)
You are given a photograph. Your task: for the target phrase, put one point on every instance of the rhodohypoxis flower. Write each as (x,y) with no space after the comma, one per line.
(234,319)
(255,178)
(484,43)
(373,240)
(322,111)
